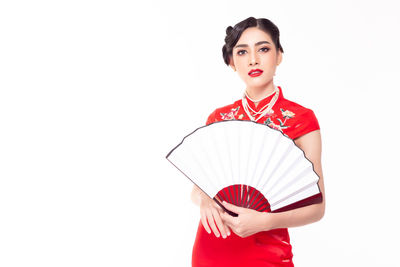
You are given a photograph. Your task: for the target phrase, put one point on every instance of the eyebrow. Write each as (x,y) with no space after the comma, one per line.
(246,45)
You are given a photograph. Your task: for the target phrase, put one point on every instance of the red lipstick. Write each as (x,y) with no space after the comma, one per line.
(255,72)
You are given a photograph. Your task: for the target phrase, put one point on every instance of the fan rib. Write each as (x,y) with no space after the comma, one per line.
(258,200)
(230,199)
(262,204)
(237,190)
(254,198)
(242,196)
(223,196)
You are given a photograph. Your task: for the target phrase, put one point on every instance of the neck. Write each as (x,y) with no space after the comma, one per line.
(260,93)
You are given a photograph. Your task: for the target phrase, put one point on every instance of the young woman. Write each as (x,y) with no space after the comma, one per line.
(252,49)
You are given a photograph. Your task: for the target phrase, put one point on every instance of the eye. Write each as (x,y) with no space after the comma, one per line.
(264,49)
(240,52)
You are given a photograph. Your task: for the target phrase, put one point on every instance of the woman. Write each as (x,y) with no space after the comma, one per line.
(253,50)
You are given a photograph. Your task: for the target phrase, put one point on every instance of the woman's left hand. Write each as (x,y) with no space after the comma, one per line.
(248,221)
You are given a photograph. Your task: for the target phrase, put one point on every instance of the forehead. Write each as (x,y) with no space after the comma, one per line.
(253,35)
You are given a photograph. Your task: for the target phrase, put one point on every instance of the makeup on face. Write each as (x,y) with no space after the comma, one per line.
(255,72)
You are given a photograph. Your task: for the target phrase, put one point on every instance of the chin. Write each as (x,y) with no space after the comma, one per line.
(259,83)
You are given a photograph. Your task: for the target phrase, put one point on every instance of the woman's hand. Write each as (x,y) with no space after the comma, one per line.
(248,221)
(211,217)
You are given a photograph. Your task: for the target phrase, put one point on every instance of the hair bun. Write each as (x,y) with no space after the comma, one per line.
(229,30)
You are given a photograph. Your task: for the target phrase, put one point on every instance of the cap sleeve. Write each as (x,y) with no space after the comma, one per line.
(306,124)
(211,118)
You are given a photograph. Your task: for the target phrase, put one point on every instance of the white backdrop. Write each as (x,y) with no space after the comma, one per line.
(94,94)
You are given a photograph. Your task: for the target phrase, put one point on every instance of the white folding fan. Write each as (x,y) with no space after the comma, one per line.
(249,165)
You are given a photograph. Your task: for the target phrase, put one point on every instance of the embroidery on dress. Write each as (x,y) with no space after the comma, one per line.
(231,115)
(286,115)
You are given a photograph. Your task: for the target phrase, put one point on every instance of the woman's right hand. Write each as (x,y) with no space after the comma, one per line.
(210,216)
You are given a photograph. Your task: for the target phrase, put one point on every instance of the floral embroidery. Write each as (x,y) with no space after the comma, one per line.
(286,115)
(271,124)
(231,115)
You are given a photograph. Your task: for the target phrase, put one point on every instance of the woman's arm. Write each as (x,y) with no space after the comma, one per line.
(210,213)
(250,221)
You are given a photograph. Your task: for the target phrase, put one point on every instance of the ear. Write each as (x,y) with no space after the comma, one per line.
(231,64)
(279,59)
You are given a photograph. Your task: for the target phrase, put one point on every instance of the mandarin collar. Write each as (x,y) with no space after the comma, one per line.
(265,101)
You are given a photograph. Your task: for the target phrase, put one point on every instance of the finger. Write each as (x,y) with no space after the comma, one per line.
(210,219)
(203,219)
(217,206)
(205,222)
(227,219)
(226,227)
(228,232)
(233,208)
(219,223)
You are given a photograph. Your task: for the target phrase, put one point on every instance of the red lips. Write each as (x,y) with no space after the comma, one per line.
(255,72)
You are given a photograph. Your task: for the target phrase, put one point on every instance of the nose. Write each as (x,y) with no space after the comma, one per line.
(253,59)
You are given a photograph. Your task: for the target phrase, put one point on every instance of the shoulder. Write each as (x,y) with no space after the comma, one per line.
(224,112)
(302,119)
(295,107)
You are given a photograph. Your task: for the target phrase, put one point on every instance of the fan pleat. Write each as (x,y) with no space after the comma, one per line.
(284,173)
(293,187)
(266,186)
(260,139)
(262,178)
(213,149)
(203,168)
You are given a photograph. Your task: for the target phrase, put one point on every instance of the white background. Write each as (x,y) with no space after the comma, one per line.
(94,94)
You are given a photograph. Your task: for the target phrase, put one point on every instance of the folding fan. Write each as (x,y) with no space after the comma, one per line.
(247,164)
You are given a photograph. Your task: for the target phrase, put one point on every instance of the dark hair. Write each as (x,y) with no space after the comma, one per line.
(233,34)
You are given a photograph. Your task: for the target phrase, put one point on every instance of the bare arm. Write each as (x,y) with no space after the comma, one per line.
(196,195)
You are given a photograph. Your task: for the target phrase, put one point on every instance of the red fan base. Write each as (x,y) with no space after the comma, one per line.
(248,197)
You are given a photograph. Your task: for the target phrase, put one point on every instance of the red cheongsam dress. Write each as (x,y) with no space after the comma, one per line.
(267,248)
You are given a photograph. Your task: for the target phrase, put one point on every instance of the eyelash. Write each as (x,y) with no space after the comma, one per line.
(238,52)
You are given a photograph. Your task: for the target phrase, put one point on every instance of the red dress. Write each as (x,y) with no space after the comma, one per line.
(267,248)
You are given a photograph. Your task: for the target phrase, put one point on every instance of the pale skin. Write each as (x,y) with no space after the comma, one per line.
(255,49)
